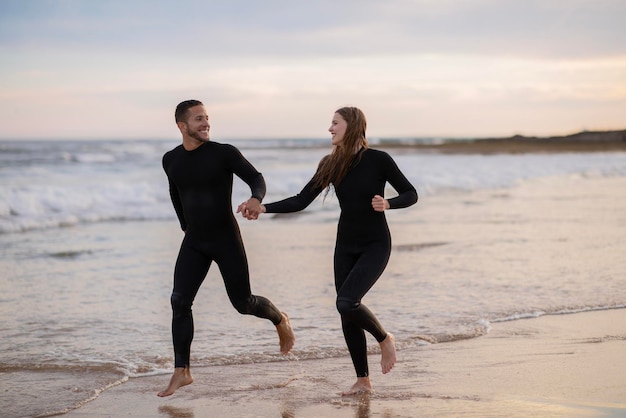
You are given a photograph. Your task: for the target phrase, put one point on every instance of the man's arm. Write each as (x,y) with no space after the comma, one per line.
(174,195)
(248,173)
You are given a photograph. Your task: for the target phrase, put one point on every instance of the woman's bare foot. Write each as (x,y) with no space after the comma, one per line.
(181,377)
(388,351)
(286,336)
(362,385)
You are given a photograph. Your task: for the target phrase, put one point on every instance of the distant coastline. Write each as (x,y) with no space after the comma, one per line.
(586,141)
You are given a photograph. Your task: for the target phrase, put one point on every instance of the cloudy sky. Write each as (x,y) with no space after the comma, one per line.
(279,68)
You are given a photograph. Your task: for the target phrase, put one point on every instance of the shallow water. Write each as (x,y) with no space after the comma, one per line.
(89,242)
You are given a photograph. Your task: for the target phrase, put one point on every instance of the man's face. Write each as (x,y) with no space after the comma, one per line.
(197,125)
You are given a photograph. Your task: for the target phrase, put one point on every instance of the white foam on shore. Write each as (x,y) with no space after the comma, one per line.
(88,182)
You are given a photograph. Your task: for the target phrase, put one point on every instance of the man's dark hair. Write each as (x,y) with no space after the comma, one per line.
(181,110)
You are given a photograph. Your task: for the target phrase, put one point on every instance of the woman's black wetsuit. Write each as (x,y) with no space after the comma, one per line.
(201,190)
(363,241)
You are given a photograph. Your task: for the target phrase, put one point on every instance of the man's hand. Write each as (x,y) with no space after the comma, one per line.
(379,203)
(251,209)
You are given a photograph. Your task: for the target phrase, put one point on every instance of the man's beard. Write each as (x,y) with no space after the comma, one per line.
(198,137)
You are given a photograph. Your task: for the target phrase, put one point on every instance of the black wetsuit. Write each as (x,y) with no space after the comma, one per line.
(200,184)
(363,241)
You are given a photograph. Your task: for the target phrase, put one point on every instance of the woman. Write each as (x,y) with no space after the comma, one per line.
(358,175)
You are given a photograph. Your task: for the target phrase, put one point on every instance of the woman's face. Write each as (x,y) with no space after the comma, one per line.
(337,129)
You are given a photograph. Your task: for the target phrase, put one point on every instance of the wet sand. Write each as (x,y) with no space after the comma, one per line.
(553,366)
(568,365)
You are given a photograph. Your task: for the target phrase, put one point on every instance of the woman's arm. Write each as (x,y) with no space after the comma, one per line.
(407,195)
(294,203)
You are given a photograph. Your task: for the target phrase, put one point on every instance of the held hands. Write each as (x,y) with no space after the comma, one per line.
(251,209)
(379,203)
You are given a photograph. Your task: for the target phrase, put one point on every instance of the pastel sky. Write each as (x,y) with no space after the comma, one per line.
(280,68)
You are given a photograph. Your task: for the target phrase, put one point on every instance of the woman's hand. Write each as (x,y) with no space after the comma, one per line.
(251,209)
(379,203)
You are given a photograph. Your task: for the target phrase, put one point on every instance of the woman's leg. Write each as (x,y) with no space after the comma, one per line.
(356,271)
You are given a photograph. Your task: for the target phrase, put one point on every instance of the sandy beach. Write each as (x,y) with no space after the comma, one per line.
(552,366)
(565,365)
(505,292)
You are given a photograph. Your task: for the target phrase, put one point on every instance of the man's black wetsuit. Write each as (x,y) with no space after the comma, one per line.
(363,241)
(200,184)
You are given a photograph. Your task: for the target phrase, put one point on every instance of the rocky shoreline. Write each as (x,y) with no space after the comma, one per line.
(586,141)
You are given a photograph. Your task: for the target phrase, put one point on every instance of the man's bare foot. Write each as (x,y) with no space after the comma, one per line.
(388,351)
(181,377)
(285,334)
(362,385)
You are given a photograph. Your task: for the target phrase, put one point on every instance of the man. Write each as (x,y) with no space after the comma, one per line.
(200,174)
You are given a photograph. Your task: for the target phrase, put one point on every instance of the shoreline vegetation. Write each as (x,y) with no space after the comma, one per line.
(585,141)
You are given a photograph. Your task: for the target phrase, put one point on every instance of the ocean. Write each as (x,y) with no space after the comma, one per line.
(88,240)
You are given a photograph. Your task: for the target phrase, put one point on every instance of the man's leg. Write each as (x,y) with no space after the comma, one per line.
(189,273)
(233,265)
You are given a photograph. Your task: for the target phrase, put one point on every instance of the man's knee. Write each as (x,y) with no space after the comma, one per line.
(181,305)
(244,306)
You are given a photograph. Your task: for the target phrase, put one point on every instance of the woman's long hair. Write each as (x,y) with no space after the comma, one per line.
(333,167)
